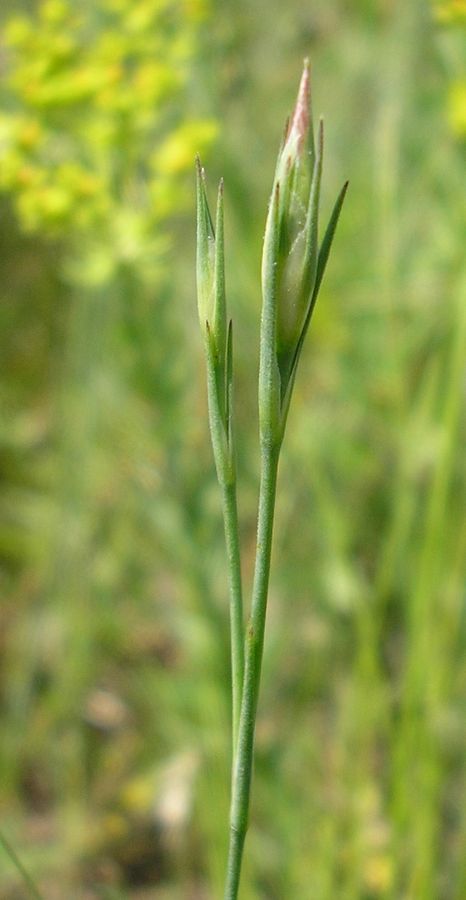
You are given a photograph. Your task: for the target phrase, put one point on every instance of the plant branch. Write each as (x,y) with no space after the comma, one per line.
(243,764)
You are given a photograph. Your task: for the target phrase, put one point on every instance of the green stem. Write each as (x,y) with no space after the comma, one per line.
(230,519)
(223,449)
(21,869)
(253,660)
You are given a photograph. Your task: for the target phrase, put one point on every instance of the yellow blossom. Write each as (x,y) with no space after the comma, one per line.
(457,108)
(177,152)
(85,142)
(451,11)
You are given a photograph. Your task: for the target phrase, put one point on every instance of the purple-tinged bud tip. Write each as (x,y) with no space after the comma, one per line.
(300,120)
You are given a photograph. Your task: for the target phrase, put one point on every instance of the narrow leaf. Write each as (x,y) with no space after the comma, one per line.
(205,260)
(219,323)
(328,238)
(269,377)
(202,203)
(312,222)
(229,386)
(270,254)
(321,265)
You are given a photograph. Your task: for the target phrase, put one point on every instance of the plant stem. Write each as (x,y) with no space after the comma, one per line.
(28,881)
(243,763)
(226,475)
(230,519)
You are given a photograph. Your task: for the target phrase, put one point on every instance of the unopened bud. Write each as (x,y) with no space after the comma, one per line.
(210,264)
(292,263)
(297,169)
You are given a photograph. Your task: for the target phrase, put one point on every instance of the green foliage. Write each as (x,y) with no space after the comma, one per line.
(114,682)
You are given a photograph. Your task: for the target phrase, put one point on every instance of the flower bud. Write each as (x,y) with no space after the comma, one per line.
(292,264)
(210,265)
(297,169)
(211,300)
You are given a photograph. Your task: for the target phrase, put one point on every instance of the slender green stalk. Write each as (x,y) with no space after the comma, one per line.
(293,266)
(221,435)
(243,764)
(230,520)
(33,891)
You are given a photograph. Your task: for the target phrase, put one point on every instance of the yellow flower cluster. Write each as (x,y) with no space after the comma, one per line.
(94,130)
(378,869)
(457,108)
(451,11)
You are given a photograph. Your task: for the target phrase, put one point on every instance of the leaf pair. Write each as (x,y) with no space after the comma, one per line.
(218,335)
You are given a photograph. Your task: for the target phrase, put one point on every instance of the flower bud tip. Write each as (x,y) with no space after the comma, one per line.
(301,116)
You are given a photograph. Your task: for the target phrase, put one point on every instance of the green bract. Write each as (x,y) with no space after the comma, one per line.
(210,267)
(210,273)
(292,263)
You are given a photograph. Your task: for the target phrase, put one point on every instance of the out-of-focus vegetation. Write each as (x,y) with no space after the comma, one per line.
(114,646)
(94,137)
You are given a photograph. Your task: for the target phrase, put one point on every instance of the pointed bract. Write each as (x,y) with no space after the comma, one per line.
(324,251)
(205,256)
(219,312)
(210,270)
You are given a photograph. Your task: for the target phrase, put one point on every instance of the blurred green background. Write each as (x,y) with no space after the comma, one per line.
(114,681)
